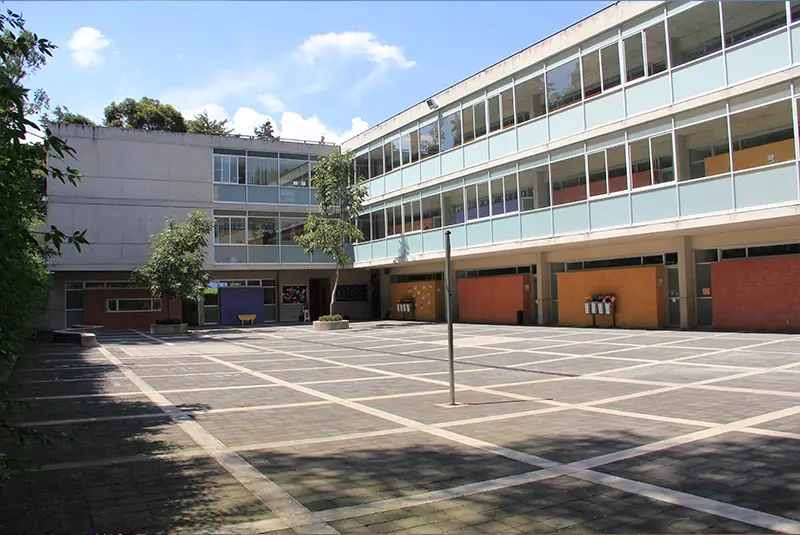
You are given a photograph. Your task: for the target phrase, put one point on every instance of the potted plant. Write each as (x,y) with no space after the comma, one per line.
(175,269)
(340,194)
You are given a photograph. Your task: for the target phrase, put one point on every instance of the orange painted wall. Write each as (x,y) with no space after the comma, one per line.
(641,302)
(494,299)
(428,297)
(782,151)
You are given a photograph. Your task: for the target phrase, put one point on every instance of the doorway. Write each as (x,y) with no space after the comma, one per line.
(319,297)
(190,310)
(375,294)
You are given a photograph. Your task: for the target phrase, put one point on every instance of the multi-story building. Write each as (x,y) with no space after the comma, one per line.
(648,152)
(258,193)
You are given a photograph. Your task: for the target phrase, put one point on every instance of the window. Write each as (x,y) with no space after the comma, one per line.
(597,173)
(387,156)
(746,20)
(262,231)
(229,230)
(497,205)
(534,188)
(494,113)
(640,163)
(694,33)
(704,149)
(230,169)
(609,56)
(411,216)
(656,49)
(529,96)
(429,140)
(290,228)
(634,57)
(133,305)
(763,136)
(362,166)
(563,85)
(453,206)
(617,169)
(661,159)
(396,161)
(376,162)
(431,212)
(510,193)
(451,130)
(591,74)
(480,119)
(414,137)
(472,202)
(569,180)
(394,220)
(262,171)
(362,222)
(483,199)
(294,170)
(378,225)
(507,106)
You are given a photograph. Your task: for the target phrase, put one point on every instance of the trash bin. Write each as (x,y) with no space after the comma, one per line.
(594,307)
(587,307)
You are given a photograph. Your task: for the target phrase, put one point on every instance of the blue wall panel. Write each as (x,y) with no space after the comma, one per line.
(570,219)
(479,233)
(414,243)
(796,44)
(396,247)
(235,301)
(532,133)
(654,205)
(605,109)
(701,77)
(565,123)
(263,254)
(502,144)
(506,228)
(476,152)
(362,252)
(433,241)
(648,95)
(458,237)
(536,224)
(758,57)
(379,250)
(766,186)
(393,181)
(263,194)
(230,192)
(707,196)
(410,175)
(452,161)
(294,254)
(612,212)
(376,187)
(430,168)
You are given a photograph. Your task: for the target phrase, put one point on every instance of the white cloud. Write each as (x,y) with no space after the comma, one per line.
(353,44)
(215,112)
(245,120)
(271,103)
(87,45)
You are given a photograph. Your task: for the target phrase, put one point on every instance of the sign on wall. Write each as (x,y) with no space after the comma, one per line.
(294,295)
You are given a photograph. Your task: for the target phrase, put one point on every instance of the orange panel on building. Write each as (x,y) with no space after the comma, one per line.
(494,299)
(428,297)
(756,294)
(641,294)
(94,309)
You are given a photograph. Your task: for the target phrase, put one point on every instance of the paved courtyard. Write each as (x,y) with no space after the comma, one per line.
(282,429)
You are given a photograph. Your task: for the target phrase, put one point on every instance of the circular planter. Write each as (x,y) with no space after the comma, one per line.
(331,325)
(175,328)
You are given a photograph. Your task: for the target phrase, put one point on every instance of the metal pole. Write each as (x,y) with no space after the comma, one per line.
(449,315)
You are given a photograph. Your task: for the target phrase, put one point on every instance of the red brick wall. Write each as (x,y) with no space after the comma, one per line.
(759,294)
(494,299)
(94,309)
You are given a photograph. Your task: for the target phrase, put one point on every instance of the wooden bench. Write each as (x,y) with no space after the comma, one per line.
(246,317)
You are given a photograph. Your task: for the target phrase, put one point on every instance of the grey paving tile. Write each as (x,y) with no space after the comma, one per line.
(377,387)
(672,373)
(577,390)
(778,381)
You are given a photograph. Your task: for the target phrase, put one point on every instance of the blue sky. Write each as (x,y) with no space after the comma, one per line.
(314,68)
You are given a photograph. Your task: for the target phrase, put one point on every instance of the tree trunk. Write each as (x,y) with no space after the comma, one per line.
(167,302)
(333,292)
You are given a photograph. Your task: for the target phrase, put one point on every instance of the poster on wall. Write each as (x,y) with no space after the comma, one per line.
(294,295)
(351,292)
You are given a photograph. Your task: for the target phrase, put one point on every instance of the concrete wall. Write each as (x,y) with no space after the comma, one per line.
(428,297)
(494,299)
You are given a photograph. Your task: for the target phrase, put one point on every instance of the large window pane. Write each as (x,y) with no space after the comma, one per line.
(641,175)
(510,192)
(529,97)
(376,162)
(378,225)
(597,173)
(453,206)
(411,216)
(451,130)
(230,169)
(394,220)
(507,103)
(429,140)
(468,116)
(222,230)
(746,20)
(661,159)
(611,72)
(414,136)
(703,149)
(569,180)
(431,212)
(534,188)
(694,33)
(262,231)
(591,74)
(294,171)
(480,119)
(290,228)
(362,166)
(396,152)
(634,57)
(617,169)
(483,199)
(262,171)
(472,202)
(763,136)
(387,156)
(238,232)
(498,206)
(494,113)
(656,49)
(405,148)
(362,222)
(563,85)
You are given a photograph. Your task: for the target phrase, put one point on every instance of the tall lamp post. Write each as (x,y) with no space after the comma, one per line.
(449,316)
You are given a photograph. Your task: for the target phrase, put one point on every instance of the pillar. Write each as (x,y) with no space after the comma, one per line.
(543,288)
(686,282)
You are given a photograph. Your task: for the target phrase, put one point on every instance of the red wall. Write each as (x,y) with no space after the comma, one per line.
(494,299)
(758,294)
(94,309)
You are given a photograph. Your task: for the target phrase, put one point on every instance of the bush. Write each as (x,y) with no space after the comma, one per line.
(334,317)
(168,321)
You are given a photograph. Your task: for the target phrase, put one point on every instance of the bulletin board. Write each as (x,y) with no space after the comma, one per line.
(293,295)
(351,292)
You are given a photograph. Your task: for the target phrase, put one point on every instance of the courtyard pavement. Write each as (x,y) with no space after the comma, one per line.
(287,430)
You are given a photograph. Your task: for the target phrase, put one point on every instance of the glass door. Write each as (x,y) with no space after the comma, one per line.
(270,300)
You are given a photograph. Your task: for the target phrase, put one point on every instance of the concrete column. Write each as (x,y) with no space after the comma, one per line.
(386,304)
(686,282)
(543,288)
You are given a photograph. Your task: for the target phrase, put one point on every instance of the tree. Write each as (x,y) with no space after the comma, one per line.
(177,255)
(340,197)
(146,114)
(203,124)
(265,132)
(62,115)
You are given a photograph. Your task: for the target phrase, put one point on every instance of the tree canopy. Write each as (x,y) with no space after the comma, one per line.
(145,114)
(340,197)
(62,115)
(203,124)
(265,132)
(177,256)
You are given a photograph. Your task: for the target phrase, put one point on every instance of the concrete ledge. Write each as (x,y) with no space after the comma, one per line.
(176,328)
(82,339)
(331,325)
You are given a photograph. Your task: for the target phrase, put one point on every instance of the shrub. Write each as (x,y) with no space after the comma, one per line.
(334,317)
(168,321)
